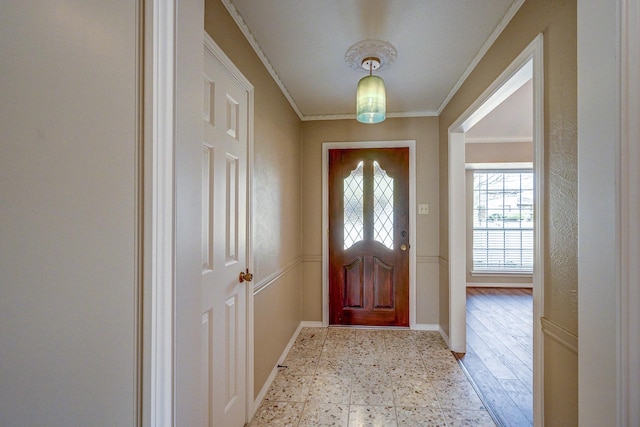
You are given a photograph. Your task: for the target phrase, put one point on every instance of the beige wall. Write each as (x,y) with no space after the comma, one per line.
(276,198)
(492,153)
(498,152)
(424,131)
(557,21)
(69,181)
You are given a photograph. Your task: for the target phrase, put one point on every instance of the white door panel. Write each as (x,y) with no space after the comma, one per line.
(224,257)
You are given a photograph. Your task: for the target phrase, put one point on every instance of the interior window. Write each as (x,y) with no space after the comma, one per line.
(503,221)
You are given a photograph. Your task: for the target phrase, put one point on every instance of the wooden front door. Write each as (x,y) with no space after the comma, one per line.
(369,237)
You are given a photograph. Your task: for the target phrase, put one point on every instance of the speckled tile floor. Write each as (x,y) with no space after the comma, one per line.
(365,377)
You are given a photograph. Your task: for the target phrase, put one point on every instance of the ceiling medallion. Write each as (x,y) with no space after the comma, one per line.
(385,52)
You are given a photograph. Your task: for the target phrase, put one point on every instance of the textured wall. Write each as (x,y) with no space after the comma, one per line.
(276,197)
(424,131)
(557,21)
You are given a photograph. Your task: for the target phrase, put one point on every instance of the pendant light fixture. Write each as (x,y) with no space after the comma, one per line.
(371,97)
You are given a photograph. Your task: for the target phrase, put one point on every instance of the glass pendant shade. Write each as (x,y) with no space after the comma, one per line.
(371,104)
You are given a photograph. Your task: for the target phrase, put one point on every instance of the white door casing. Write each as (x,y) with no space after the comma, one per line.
(527,65)
(326,146)
(224,244)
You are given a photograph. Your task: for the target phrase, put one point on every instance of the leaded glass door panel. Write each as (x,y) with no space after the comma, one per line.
(369,237)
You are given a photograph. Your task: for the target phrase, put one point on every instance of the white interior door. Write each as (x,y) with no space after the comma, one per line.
(224,246)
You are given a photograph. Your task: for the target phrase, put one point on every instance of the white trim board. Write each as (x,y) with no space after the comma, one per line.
(474,62)
(608,225)
(483,50)
(275,276)
(311,324)
(629,318)
(426,327)
(499,285)
(499,166)
(502,140)
(326,146)
(258,50)
(528,65)
(158,347)
(265,388)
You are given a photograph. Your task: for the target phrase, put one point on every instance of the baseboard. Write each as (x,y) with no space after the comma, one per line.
(426,327)
(265,388)
(444,335)
(500,285)
(312,324)
(309,324)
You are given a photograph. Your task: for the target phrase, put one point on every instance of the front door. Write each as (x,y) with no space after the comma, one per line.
(224,257)
(369,237)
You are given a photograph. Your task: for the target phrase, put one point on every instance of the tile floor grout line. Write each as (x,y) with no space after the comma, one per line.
(386,346)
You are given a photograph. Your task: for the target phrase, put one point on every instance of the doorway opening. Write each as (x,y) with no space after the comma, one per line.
(526,67)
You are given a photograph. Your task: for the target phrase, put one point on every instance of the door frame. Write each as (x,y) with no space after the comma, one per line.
(609,166)
(326,146)
(160,81)
(497,92)
(162,90)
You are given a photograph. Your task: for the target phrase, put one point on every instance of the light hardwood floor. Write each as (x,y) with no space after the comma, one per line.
(499,354)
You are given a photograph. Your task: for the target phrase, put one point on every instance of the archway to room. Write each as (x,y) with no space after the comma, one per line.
(481,176)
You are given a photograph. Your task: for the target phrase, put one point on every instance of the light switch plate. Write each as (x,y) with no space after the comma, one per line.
(423,209)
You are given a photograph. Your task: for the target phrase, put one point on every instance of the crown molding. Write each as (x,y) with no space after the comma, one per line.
(474,62)
(318,117)
(256,47)
(413,114)
(265,61)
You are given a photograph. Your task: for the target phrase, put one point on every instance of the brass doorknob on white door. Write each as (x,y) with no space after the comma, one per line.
(245,277)
(403,247)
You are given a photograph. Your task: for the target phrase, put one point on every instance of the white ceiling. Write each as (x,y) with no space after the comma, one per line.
(304,42)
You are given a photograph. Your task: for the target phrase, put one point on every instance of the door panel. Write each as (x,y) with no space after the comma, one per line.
(354,283)
(383,284)
(369,237)
(224,216)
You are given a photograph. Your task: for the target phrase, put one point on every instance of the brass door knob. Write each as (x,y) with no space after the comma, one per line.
(245,277)
(403,247)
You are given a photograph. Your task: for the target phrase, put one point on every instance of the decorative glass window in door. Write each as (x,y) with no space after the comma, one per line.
(382,206)
(354,207)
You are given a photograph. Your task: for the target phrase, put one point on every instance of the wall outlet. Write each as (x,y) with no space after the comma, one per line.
(423,209)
